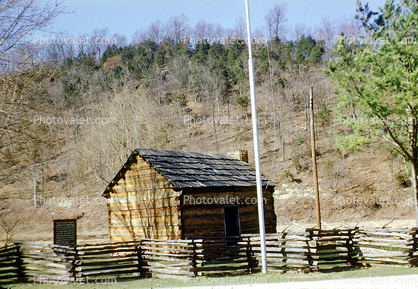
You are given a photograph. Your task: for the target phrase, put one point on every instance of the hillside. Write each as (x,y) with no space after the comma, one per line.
(74,124)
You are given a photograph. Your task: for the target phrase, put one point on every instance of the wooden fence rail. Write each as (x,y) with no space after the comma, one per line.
(309,250)
(387,246)
(10,264)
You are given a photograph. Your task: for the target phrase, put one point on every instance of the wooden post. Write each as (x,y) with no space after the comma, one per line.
(315,171)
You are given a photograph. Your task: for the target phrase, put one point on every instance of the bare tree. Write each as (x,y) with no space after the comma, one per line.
(218,31)
(327,33)
(21,18)
(56,50)
(274,21)
(300,30)
(178,26)
(204,30)
(139,36)
(120,40)
(240,29)
(9,220)
(156,31)
(98,42)
(349,27)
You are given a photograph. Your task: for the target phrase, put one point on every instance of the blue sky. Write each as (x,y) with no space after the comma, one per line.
(127,16)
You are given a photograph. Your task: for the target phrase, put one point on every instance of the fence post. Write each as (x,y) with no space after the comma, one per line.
(252,262)
(311,250)
(75,261)
(351,257)
(21,276)
(413,260)
(138,249)
(193,257)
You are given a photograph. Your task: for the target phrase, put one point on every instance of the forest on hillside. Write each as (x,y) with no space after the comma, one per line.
(140,93)
(71,113)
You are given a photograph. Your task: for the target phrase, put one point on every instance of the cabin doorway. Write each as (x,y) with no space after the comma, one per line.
(231,221)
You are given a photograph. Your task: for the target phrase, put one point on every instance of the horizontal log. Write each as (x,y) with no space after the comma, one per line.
(48,278)
(223,268)
(143,196)
(171,271)
(166,221)
(8,272)
(167,246)
(6,264)
(289,257)
(44,270)
(238,261)
(284,261)
(385,240)
(13,247)
(165,276)
(55,248)
(169,202)
(342,231)
(132,261)
(375,244)
(161,258)
(48,258)
(133,185)
(88,247)
(333,240)
(383,260)
(286,238)
(167,212)
(288,266)
(146,253)
(173,242)
(385,253)
(55,252)
(87,268)
(11,257)
(285,250)
(169,264)
(120,270)
(130,243)
(330,257)
(109,257)
(107,251)
(45,263)
(386,234)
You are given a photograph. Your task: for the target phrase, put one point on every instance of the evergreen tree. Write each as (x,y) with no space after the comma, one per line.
(377,83)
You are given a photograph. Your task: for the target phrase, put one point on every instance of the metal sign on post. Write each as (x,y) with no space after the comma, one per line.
(65,232)
(256,148)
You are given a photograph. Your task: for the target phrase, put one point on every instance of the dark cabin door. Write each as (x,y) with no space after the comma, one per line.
(231,221)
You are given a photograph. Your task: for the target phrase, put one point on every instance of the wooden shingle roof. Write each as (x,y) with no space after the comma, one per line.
(200,170)
(194,170)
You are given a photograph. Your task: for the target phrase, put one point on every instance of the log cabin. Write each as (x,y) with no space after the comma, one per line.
(172,195)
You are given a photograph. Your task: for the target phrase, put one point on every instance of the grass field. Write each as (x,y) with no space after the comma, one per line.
(257,278)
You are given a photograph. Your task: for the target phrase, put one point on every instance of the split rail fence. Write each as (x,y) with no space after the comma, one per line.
(311,250)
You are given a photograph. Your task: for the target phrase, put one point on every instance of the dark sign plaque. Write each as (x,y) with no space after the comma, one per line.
(65,232)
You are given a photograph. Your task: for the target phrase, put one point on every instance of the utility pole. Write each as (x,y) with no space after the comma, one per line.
(256,148)
(315,171)
(35,193)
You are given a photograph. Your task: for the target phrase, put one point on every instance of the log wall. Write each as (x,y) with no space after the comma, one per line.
(143,204)
(203,213)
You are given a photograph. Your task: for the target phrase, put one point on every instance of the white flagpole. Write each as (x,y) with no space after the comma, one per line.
(256,149)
